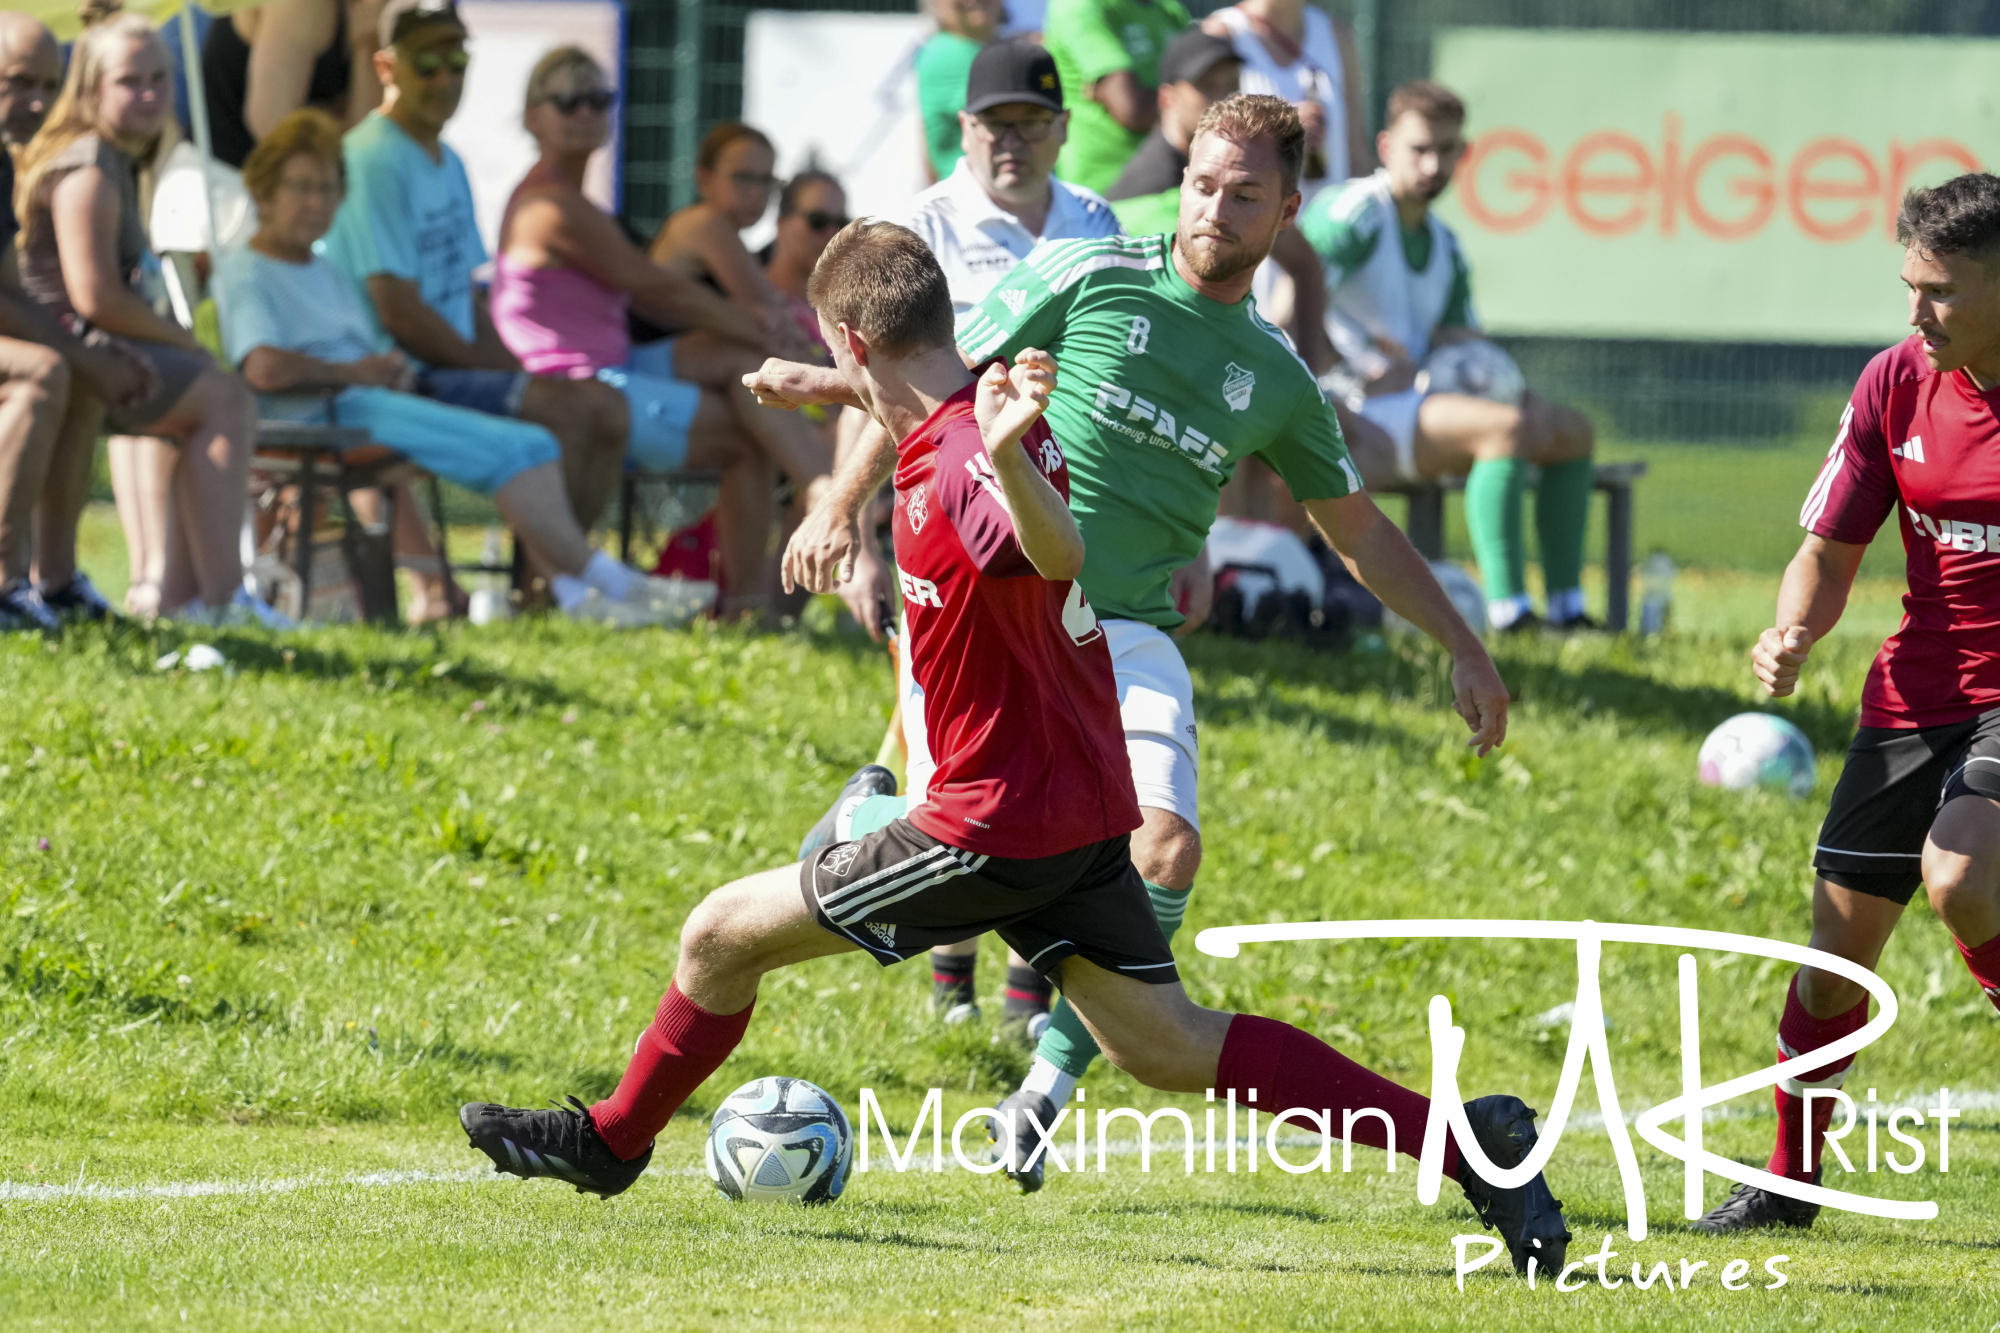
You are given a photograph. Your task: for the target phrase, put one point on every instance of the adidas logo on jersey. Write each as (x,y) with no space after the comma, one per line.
(1014,301)
(1236,386)
(1959,535)
(1913,449)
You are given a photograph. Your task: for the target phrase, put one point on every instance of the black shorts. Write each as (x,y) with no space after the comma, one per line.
(1895,782)
(899,892)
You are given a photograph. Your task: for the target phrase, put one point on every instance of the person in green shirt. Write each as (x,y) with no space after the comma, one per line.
(1108,54)
(1168,377)
(1399,310)
(944,63)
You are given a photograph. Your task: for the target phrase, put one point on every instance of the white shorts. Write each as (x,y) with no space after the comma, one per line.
(1396,413)
(1155,702)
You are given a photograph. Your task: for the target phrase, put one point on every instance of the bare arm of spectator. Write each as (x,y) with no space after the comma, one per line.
(364,85)
(1294,254)
(424,333)
(569,228)
(116,379)
(1130,102)
(1360,151)
(712,238)
(85,211)
(281,370)
(290,36)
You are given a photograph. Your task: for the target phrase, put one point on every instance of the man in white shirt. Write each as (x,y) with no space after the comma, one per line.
(1001,201)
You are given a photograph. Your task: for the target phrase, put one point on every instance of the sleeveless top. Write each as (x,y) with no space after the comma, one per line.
(225,70)
(1383,295)
(559,321)
(1316,76)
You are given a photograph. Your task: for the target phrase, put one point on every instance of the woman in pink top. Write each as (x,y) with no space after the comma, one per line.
(566,276)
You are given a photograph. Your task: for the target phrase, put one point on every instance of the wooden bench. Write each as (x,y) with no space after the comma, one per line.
(1426,526)
(318,459)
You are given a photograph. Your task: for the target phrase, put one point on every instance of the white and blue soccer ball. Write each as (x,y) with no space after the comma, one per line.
(1758,750)
(780,1139)
(1478,369)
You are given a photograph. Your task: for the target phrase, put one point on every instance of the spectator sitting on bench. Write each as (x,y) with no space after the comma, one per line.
(564,280)
(1397,290)
(296,328)
(407,240)
(811,208)
(83,249)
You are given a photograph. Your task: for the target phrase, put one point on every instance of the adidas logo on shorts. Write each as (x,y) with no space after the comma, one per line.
(884,933)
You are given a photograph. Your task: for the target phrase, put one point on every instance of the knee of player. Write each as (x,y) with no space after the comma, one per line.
(1953,882)
(705,937)
(1169,855)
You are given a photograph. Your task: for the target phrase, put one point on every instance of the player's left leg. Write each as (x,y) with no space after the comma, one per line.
(1161,1037)
(1560,440)
(1962,877)
(738,933)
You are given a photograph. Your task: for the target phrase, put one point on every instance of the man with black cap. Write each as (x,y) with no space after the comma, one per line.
(1196,71)
(408,239)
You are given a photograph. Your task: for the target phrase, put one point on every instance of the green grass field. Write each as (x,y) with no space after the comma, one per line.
(262,929)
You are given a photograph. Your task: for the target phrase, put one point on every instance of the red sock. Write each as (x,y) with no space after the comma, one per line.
(1798,1033)
(685,1044)
(1291,1068)
(1984,961)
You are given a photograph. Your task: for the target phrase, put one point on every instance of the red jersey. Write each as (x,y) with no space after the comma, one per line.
(1927,443)
(1020,708)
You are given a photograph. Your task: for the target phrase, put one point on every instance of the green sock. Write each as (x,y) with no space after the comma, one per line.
(877,812)
(1562,512)
(1493,514)
(1067,1043)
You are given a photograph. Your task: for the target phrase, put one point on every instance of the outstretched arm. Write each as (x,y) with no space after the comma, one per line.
(822,551)
(1810,601)
(1378,553)
(1011,399)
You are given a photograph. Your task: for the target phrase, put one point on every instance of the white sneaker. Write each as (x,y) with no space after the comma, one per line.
(665,602)
(244,611)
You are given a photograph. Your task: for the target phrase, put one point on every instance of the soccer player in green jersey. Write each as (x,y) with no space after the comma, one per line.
(1169,378)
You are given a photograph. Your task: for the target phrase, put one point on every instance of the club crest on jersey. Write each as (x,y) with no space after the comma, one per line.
(917,508)
(841,859)
(1014,301)
(1912,449)
(1236,386)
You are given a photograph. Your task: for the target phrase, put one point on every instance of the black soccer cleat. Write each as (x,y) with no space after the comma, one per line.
(868,780)
(1527,1217)
(1016,1147)
(561,1144)
(1750,1207)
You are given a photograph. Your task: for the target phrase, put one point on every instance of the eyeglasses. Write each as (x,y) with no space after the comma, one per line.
(752,180)
(822,221)
(1036,130)
(599,100)
(312,189)
(428,64)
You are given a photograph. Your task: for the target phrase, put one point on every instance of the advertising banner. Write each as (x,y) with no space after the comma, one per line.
(1703,185)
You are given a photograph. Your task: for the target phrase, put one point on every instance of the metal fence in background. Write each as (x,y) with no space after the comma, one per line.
(685,73)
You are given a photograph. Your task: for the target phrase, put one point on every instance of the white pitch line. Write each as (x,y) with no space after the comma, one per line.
(1166,1149)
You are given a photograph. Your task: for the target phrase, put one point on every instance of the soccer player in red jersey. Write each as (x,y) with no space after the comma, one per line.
(1919,799)
(1026,826)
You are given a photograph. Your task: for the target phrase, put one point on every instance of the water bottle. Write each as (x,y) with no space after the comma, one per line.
(1656,580)
(490,601)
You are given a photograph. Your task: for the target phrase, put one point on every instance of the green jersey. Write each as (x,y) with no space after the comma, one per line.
(1406,290)
(944,64)
(1089,40)
(1159,391)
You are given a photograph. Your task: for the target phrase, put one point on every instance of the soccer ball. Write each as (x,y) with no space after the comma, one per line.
(1758,750)
(1464,592)
(780,1139)
(1478,369)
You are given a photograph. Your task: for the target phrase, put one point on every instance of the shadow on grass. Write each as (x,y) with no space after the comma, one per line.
(851,1237)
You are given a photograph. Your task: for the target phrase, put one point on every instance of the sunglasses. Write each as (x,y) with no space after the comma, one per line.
(428,64)
(820,221)
(599,100)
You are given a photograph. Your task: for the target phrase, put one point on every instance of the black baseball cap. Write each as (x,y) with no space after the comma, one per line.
(1005,72)
(1193,54)
(400,18)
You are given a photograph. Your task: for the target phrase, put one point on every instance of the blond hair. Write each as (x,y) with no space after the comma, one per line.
(554,63)
(74,115)
(307,132)
(1248,117)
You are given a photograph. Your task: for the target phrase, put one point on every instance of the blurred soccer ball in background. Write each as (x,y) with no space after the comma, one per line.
(1478,369)
(1465,594)
(1758,750)
(780,1139)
